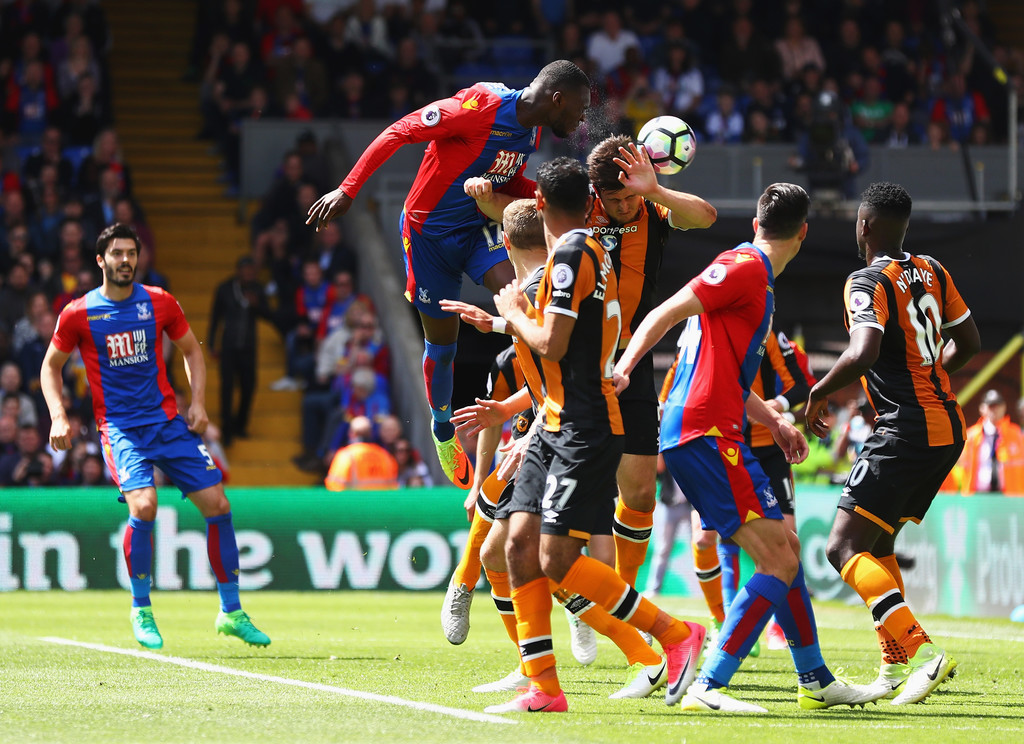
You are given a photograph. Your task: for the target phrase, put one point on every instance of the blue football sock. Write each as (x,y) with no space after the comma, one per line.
(729,560)
(796,618)
(222,550)
(744,621)
(138,555)
(439,377)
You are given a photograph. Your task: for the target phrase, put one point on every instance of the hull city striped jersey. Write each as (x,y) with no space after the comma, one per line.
(529,363)
(473,133)
(505,380)
(579,281)
(636,249)
(784,372)
(910,299)
(122,348)
(720,350)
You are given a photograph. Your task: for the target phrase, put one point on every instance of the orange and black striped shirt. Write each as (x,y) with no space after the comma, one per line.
(783,373)
(636,249)
(910,299)
(579,281)
(505,380)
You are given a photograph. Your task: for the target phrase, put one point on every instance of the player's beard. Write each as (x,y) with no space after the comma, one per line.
(114,275)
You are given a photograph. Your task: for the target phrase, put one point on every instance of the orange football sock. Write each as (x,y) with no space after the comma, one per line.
(880,592)
(709,574)
(625,636)
(631,531)
(892,651)
(532,603)
(501,593)
(890,564)
(468,570)
(597,582)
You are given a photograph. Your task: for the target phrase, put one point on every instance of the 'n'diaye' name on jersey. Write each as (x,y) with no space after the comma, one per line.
(579,281)
(910,299)
(122,348)
(636,249)
(720,350)
(473,133)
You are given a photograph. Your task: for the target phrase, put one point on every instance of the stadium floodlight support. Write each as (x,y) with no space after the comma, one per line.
(986,373)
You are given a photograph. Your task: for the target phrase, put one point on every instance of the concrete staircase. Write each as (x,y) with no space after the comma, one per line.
(198,238)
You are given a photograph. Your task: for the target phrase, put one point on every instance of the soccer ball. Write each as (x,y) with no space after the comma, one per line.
(670,143)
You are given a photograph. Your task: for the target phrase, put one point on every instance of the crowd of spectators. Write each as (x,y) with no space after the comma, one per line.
(735,70)
(62,180)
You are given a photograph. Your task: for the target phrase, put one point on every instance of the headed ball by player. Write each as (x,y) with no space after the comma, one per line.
(670,143)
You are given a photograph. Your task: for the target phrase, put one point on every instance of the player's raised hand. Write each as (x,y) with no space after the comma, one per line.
(60,432)
(510,300)
(482,320)
(327,207)
(480,189)
(514,449)
(197,419)
(792,442)
(637,171)
(474,419)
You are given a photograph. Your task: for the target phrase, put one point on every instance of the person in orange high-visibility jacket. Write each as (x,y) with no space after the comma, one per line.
(362,465)
(993,456)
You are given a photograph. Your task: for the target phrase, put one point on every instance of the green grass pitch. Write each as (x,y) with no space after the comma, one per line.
(390,644)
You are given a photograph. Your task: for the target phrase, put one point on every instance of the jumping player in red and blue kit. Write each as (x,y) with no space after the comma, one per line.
(729,310)
(485,130)
(119,330)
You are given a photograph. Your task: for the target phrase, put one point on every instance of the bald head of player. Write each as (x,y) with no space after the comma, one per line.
(558,98)
(882,220)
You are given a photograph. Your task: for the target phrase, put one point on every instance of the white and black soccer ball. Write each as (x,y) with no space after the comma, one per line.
(670,142)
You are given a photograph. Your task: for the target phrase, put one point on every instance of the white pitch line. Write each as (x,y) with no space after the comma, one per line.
(205,667)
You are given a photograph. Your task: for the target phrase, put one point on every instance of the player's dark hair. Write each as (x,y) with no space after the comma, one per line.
(604,173)
(782,210)
(523,225)
(564,184)
(888,201)
(562,75)
(112,233)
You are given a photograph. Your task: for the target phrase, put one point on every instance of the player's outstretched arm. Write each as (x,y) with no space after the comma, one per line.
(865,345)
(550,340)
(688,210)
(787,436)
(486,447)
(487,413)
(332,204)
(683,304)
(195,370)
(482,320)
(52,385)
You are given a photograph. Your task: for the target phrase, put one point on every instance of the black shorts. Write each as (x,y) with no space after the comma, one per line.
(894,481)
(505,499)
(639,407)
(773,462)
(568,478)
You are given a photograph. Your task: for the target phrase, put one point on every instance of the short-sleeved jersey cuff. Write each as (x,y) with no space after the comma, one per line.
(867,324)
(561,311)
(671,222)
(958,321)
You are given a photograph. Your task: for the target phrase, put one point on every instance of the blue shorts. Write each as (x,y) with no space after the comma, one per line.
(724,482)
(434,265)
(132,452)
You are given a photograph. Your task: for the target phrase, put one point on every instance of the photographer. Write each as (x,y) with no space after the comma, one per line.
(831,150)
(30,465)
